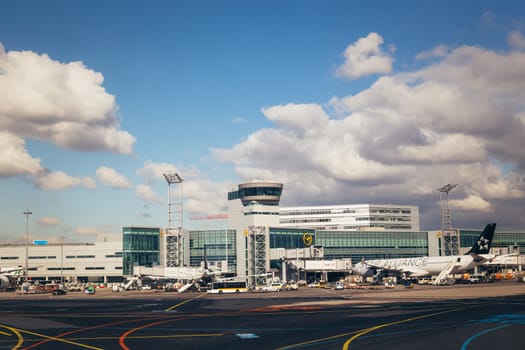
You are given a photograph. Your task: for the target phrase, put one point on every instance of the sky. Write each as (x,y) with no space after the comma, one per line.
(344,102)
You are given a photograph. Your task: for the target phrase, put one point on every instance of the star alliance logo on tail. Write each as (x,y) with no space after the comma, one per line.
(483,243)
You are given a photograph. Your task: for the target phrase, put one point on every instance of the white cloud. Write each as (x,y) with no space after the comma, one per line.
(516,40)
(155,171)
(63,103)
(202,196)
(48,221)
(110,177)
(402,138)
(148,194)
(14,159)
(438,51)
(59,180)
(364,57)
(86,231)
(471,203)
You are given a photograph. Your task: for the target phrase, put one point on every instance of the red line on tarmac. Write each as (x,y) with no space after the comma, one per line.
(84,329)
(122,338)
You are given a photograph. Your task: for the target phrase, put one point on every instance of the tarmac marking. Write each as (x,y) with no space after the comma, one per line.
(189,335)
(316,341)
(374,328)
(59,337)
(274,308)
(469,340)
(123,337)
(56,339)
(184,302)
(18,335)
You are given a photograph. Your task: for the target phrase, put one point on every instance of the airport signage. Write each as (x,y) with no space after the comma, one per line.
(40,241)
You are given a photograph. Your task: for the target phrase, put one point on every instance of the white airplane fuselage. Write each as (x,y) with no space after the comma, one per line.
(420,266)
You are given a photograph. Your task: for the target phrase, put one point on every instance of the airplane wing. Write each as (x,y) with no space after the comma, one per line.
(482,258)
(12,271)
(406,270)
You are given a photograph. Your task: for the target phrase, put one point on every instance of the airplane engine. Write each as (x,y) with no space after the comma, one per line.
(364,270)
(4,282)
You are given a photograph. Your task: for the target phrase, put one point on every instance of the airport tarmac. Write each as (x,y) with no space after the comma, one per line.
(364,293)
(482,316)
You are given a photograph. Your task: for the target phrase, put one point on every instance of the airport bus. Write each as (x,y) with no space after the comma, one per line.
(228,287)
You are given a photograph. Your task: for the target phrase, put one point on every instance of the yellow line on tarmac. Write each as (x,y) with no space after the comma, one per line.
(316,341)
(155,336)
(184,302)
(60,340)
(18,335)
(371,329)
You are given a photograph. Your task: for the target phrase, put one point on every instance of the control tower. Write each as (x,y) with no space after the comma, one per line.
(252,208)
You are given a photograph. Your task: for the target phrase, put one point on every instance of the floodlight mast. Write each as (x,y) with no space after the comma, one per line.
(173,242)
(450,240)
(173,178)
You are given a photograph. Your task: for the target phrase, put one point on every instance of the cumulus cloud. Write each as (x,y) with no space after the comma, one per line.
(364,57)
(110,177)
(61,103)
(148,194)
(202,195)
(455,120)
(59,180)
(516,40)
(48,221)
(86,231)
(154,171)
(14,158)
(471,203)
(438,51)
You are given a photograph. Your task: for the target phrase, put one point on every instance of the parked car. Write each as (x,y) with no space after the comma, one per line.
(291,286)
(473,279)
(339,285)
(314,285)
(59,292)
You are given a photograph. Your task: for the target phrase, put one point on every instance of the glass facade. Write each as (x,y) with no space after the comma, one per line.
(359,245)
(291,238)
(141,246)
(267,193)
(502,239)
(214,242)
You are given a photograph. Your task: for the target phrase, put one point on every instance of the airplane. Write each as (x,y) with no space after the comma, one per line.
(5,277)
(428,266)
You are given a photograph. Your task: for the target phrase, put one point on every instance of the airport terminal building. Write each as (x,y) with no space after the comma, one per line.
(99,262)
(260,237)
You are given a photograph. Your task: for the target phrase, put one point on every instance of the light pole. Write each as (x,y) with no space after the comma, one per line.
(26,269)
(62,261)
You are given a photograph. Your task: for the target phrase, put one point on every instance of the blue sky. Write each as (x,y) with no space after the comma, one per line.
(98,98)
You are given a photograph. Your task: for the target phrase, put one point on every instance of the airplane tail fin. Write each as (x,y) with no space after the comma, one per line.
(484,241)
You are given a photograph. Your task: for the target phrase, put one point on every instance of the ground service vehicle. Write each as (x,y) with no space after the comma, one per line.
(228,287)
(273,287)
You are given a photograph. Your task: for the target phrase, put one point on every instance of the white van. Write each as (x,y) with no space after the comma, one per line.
(273,287)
